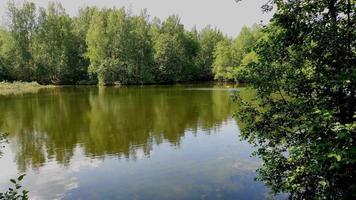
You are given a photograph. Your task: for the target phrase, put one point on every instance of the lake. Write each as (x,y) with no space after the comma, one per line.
(135,142)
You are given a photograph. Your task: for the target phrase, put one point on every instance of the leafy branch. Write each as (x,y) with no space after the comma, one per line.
(14,192)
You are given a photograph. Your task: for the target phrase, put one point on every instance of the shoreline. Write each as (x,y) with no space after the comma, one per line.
(19,87)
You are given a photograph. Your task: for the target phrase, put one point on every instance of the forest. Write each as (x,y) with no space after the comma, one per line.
(113,46)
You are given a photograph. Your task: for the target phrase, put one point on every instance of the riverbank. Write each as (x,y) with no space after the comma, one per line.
(19,87)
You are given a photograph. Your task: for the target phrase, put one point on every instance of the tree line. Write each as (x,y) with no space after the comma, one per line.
(113,46)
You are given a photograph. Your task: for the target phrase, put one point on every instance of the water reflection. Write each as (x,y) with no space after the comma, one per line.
(104,121)
(102,139)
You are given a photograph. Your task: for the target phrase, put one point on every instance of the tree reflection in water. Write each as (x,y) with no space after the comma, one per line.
(106,121)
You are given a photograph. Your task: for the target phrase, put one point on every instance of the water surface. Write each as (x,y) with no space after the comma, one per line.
(151,142)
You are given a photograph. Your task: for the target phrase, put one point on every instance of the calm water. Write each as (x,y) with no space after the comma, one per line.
(153,142)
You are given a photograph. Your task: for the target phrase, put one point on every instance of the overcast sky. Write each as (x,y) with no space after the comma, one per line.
(227,15)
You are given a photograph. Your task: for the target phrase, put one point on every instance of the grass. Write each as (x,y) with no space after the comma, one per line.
(18,87)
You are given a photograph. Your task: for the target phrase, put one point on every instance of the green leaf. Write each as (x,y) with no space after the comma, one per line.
(323,183)
(336,156)
(21,177)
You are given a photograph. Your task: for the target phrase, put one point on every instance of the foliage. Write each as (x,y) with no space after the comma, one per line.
(112,46)
(6,52)
(22,26)
(119,47)
(223,59)
(304,120)
(14,193)
(174,50)
(231,56)
(169,57)
(208,39)
(19,87)
(55,46)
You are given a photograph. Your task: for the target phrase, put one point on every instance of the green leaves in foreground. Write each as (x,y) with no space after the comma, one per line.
(15,192)
(303,120)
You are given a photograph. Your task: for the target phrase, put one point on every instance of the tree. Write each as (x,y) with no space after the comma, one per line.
(304,120)
(97,42)
(22,25)
(7,50)
(113,46)
(82,21)
(190,71)
(169,56)
(230,56)
(120,47)
(56,48)
(169,50)
(223,60)
(141,50)
(81,25)
(208,39)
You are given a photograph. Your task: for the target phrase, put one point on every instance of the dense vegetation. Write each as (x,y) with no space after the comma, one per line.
(232,56)
(304,120)
(113,46)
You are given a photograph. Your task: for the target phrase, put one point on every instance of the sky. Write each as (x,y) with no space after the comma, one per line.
(227,15)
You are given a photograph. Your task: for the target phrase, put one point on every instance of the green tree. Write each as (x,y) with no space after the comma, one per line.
(120,48)
(175,50)
(190,71)
(56,48)
(97,42)
(244,43)
(113,46)
(230,56)
(141,50)
(82,21)
(304,119)
(7,51)
(80,29)
(22,25)
(169,56)
(223,61)
(208,40)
